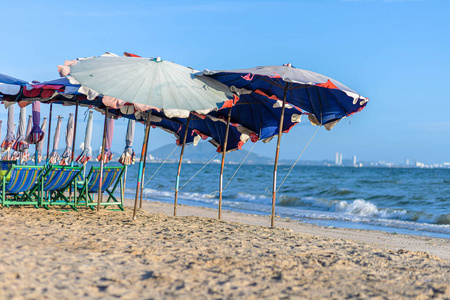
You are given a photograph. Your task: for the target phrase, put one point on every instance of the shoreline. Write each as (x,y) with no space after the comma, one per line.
(432,245)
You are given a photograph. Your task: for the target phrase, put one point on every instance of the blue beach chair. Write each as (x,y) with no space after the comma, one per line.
(56,180)
(18,189)
(112,178)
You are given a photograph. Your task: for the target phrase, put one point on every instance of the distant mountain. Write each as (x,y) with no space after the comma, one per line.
(203,152)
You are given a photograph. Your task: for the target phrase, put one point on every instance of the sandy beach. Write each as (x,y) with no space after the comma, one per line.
(58,254)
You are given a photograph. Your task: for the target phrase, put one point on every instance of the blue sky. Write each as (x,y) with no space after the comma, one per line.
(397,53)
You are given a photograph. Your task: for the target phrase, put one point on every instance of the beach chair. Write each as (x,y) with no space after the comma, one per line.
(112,178)
(18,185)
(56,181)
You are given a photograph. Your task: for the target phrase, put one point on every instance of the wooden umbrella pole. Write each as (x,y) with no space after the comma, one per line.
(102,157)
(141,165)
(177,183)
(74,132)
(73,143)
(224,151)
(49,130)
(124,181)
(143,175)
(280,131)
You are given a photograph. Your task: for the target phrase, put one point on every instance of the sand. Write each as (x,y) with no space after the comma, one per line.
(71,255)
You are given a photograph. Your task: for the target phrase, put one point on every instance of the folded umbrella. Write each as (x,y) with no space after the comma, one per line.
(108,142)
(36,133)
(54,156)
(10,138)
(26,152)
(67,154)
(86,154)
(20,145)
(40,144)
(127,157)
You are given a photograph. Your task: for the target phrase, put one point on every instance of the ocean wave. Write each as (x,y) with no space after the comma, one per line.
(335,192)
(252,197)
(361,208)
(373,181)
(443,219)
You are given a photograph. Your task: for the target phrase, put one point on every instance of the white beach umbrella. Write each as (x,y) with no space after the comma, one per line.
(86,154)
(147,83)
(66,157)
(54,156)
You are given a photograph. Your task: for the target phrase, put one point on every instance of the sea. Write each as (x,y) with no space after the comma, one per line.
(395,200)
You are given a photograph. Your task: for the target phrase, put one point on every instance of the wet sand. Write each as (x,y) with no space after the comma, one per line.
(71,255)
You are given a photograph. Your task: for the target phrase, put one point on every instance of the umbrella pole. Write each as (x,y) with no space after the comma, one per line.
(141,165)
(124,181)
(49,130)
(143,175)
(36,155)
(280,131)
(102,157)
(177,184)
(224,151)
(74,132)
(73,142)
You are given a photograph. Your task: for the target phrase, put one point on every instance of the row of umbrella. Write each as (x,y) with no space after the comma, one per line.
(230,106)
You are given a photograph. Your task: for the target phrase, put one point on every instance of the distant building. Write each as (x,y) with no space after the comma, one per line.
(338,159)
(407,162)
(354,160)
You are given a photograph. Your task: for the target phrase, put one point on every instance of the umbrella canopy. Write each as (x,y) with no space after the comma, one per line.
(325,98)
(36,134)
(40,144)
(54,156)
(147,83)
(108,141)
(9,138)
(67,154)
(86,154)
(260,114)
(10,87)
(127,157)
(200,127)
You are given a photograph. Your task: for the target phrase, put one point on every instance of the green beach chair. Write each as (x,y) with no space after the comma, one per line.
(22,188)
(112,178)
(56,181)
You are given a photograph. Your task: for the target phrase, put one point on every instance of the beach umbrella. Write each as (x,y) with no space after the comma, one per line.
(260,115)
(86,154)
(127,157)
(326,100)
(36,134)
(10,139)
(10,87)
(54,156)
(40,144)
(26,152)
(66,157)
(148,84)
(20,145)
(107,154)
